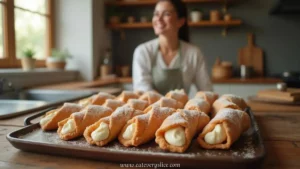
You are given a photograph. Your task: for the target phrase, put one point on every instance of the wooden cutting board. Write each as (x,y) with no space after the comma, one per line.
(291,95)
(252,55)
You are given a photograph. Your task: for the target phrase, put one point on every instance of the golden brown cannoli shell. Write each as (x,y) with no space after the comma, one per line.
(61,113)
(191,120)
(222,103)
(198,104)
(137,104)
(101,97)
(178,95)
(151,97)
(115,121)
(126,95)
(235,123)
(113,104)
(209,96)
(236,100)
(83,119)
(146,126)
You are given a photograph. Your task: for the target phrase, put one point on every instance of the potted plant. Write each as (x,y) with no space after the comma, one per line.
(27,59)
(196,15)
(144,19)
(57,60)
(114,15)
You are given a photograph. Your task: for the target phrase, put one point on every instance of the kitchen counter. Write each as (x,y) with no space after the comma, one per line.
(92,84)
(280,131)
(258,80)
(110,81)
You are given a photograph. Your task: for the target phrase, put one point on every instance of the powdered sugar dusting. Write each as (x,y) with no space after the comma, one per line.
(207,95)
(70,107)
(229,114)
(95,110)
(176,118)
(122,112)
(224,101)
(113,103)
(137,104)
(143,117)
(198,102)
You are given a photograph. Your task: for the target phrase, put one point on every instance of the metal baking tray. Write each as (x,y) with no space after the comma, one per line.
(247,152)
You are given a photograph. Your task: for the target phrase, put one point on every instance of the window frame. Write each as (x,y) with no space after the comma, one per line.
(10,60)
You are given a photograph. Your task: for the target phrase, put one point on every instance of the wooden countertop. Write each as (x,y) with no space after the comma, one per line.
(258,80)
(280,131)
(109,81)
(81,84)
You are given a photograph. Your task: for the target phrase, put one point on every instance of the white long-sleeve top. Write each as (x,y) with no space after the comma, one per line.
(193,66)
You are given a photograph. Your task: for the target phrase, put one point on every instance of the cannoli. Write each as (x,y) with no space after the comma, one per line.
(166,102)
(177,131)
(100,98)
(137,104)
(236,100)
(85,101)
(126,95)
(178,95)
(198,104)
(209,96)
(224,129)
(107,129)
(75,125)
(113,104)
(50,119)
(151,97)
(142,128)
(222,103)
(139,92)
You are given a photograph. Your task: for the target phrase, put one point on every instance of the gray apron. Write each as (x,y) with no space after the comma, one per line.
(165,80)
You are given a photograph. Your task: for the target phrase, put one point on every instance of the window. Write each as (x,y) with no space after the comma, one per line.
(25,24)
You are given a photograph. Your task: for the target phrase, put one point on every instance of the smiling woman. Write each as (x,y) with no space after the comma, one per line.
(170,61)
(25,24)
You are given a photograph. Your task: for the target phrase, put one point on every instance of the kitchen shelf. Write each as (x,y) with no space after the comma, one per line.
(207,23)
(136,25)
(153,2)
(220,23)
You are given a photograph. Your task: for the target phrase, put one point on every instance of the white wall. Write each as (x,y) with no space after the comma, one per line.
(101,35)
(73,31)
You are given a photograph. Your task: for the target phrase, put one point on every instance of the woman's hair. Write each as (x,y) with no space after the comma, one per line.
(181,11)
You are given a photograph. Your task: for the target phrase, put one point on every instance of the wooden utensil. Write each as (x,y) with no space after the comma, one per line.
(272,101)
(291,95)
(252,55)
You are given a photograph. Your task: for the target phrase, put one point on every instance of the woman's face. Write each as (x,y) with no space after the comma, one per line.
(165,20)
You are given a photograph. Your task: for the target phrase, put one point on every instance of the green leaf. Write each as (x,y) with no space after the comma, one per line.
(60,54)
(28,52)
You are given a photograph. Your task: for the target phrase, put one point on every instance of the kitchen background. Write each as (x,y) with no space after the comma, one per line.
(277,35)
(81,29)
